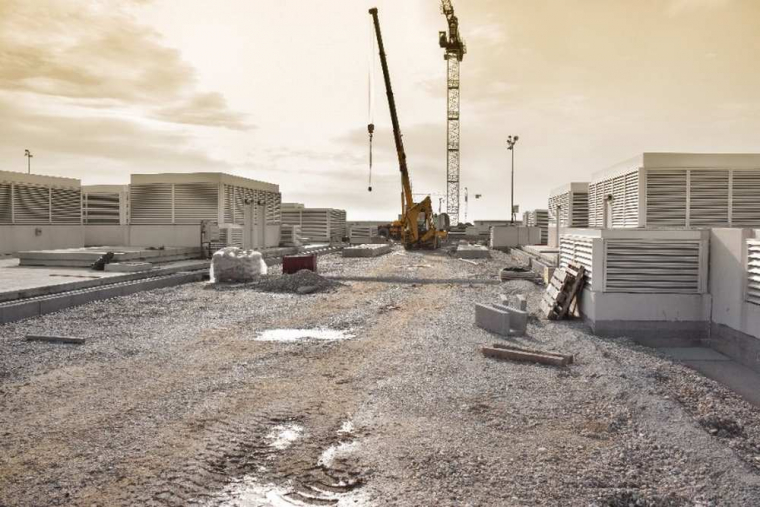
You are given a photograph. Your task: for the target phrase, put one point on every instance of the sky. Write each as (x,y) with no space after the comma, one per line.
(280,91)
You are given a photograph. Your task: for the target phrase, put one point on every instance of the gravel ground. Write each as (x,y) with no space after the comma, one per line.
(172,401)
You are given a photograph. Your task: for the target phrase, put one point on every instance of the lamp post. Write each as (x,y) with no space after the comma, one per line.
(28,155)
(511,141)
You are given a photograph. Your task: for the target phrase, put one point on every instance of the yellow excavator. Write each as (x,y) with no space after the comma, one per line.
(417,224)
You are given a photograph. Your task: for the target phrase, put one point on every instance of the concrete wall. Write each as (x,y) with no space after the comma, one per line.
(509,237)
(272,234)
(106,235)
(18,238)
(165,235)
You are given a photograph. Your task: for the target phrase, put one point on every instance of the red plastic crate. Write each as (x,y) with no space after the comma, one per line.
(294,263)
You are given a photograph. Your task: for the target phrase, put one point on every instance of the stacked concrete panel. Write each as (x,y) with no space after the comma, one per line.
(318,225)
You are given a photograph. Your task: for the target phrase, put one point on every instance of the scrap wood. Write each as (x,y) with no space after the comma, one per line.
(468,260)
(54,339)
(569,357)
(517,355)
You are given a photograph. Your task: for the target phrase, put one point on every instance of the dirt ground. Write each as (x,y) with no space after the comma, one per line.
(176,400)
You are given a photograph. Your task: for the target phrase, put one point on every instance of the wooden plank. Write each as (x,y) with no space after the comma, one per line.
(516,355)
(552,291)
(507,346)
(54,339)
(557,283)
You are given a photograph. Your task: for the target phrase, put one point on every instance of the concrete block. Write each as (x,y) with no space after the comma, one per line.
(492,319)
(522,302)
(472,252)
(518,319)
(128,267)
(366,250)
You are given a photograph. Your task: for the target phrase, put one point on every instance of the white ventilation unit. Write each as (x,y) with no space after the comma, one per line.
(579,250)
(6,213)
(753,272)
(666,198)
(652,266)
(745,200)
(624,190)
(538,218)
(579,209)
(317,224)
(150,203)
(194,202)
(102,208)
(563,201)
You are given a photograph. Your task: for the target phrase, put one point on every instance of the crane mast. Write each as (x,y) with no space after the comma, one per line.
(455,50)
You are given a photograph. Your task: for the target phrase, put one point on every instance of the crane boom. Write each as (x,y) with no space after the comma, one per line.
(418,228)
(405,182)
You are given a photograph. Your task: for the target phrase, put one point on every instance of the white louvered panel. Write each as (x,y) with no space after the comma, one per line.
(239,207)
(66,205)
(151,203)
(746,199)
(229,200)
(577,249)
(666,198)
(753,272)
(618,202)
(708,198)
(580,210)
(194,202)
(6,215)
(563,200)
(31,204)
(652,266)
(102,208)
(592,206)
(631,215)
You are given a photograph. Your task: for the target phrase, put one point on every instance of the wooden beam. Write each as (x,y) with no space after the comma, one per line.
(54,339)
(516,355)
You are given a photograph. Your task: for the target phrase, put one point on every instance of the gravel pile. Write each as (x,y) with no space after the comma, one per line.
(302,282)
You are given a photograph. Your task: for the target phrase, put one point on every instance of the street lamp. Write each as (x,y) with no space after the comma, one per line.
(28,155)
(511,141)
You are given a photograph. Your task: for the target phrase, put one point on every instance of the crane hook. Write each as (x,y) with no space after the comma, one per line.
(370,130)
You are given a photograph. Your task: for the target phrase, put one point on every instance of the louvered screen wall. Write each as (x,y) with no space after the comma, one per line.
(6,215)
(66,206)
(753,272)
(31,204)
(538,218)
(708,198)
(666,198)
(150,203)
(652,266)
(234,204)
(563,200)
(746,199)
(577,249)
(625,203)
(194,202)
(102,208)
(580,209)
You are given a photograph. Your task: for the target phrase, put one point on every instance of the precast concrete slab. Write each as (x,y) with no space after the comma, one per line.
(83,257)
(366,250)
(472,252)
(518,319)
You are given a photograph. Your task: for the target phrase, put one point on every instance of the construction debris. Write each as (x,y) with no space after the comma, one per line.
(302,282)
(513,353)
(232,264)
(54,339)
(561,293)
(466,251)
(501,319)
(518,273)
(367,250)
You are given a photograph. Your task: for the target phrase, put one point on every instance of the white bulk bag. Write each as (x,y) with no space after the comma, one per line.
(232,264)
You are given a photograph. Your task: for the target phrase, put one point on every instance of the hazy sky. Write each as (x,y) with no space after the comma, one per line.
(278,91)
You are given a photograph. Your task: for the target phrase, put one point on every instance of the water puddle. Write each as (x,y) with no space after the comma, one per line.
(284,435)
(294,335)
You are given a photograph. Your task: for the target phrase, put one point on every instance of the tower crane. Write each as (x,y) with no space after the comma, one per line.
(455,50)
(417,224)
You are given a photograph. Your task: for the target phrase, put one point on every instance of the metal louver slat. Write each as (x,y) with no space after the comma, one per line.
(66,205)
(31,204)
(580,209)
(745,201)
(578,249)
(708,198)
(194,202)
(102,209)
(151,203)
(5,203)
(652,266)
(753,272)
(666,198)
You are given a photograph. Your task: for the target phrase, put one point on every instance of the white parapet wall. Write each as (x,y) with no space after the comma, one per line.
(512,237)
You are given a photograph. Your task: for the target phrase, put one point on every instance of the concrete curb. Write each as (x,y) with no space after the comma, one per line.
(36,306)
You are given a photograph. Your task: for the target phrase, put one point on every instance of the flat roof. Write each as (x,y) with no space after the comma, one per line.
(576,186)
(39,179)
(205,177)
(667,160)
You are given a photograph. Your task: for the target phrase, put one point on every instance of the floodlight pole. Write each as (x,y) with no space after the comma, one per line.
(511,141)
(28,155)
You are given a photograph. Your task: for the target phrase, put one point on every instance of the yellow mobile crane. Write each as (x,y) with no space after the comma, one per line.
(418,228)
